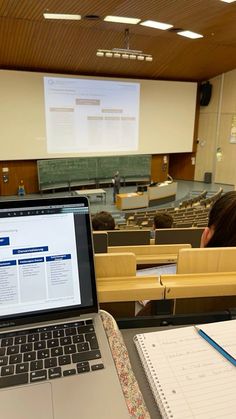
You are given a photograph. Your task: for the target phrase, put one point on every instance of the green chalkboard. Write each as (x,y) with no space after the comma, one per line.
(134,166)
(107,166)
(67,170)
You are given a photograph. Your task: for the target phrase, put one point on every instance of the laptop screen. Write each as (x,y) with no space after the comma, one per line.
(46,258)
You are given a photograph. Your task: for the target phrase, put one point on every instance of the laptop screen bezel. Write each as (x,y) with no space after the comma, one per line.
(54,314)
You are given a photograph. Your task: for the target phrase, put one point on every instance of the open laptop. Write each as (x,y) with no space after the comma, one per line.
(55,360)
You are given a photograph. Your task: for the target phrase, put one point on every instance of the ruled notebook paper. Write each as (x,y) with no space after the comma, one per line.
(189,378)
(223,333)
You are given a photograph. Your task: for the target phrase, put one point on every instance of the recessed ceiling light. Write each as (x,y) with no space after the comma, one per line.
(61,16)
(228,1)
(156,25)
(119,19)
(190,34)
(100,53)
(140,57)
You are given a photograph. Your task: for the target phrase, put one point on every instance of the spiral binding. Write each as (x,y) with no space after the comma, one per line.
(153,380)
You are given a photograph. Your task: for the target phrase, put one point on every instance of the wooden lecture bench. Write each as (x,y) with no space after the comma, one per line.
(117,282)
(201,292)
(199,285)
(209,259)
(117,279)
(151,254)
(129,289)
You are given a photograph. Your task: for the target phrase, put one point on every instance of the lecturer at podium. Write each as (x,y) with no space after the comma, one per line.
(116,185)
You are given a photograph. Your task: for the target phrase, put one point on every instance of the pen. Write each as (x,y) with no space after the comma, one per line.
(215,345)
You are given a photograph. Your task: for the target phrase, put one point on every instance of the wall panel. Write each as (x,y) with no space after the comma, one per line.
(25,170)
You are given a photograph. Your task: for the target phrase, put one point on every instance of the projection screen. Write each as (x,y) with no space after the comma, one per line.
(47,116)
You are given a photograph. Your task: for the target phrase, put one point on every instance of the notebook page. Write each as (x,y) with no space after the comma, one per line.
(158,270)
(189,378)
(223,333)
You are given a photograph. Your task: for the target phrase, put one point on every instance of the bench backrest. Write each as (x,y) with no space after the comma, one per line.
(128,237)
(179,235)
(217,259)
(100,241)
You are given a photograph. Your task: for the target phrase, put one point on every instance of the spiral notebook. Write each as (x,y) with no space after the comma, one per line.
(189,378)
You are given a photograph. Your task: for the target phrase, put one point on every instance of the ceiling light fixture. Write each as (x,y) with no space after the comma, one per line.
(120,19)
(125,53)
(190,34)
(228,1)
(156,25)
(60,16)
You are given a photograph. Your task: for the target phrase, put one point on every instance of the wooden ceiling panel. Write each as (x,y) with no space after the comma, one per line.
(29,42)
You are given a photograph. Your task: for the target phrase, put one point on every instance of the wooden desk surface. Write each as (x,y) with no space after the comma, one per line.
(90,191)
(129,289)
(167,287)
(156,259)
(199,285)
(151,254)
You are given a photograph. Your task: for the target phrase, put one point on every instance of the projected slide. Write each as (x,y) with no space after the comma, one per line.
(85,115)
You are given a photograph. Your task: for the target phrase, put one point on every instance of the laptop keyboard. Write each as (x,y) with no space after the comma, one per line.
(47,353)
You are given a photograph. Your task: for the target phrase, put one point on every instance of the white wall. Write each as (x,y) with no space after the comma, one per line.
(214,132)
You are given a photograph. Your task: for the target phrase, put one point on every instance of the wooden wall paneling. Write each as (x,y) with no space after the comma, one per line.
(181,166)
(25,170)
(28,42)
(159,167)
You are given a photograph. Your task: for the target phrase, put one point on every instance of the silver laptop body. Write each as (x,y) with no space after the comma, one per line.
(48,297)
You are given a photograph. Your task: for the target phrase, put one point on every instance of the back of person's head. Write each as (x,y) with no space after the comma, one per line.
(103,221)
(162,220)
(221,230)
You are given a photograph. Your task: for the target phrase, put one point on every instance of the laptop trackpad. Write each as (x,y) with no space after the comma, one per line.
(28,402)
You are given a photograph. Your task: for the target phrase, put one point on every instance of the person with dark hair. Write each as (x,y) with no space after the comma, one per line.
(116,185)
(162,220)
(221,230)
(103,221)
